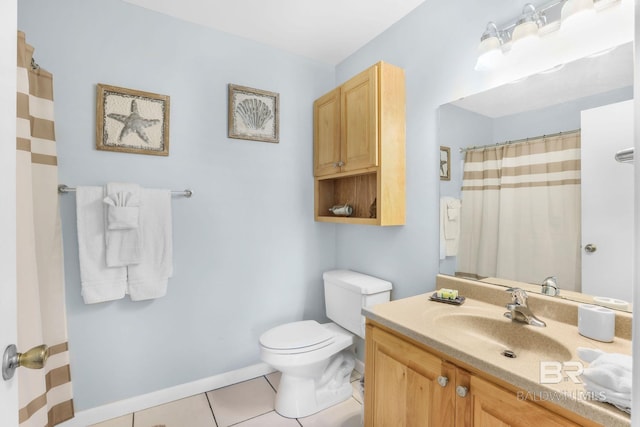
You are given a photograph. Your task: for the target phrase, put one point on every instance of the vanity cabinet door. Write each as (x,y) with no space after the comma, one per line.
(492,406)
(402,388)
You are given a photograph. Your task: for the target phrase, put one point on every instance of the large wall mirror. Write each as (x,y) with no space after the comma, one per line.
(535,190)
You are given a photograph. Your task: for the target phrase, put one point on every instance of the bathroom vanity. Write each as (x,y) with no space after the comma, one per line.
(434,364)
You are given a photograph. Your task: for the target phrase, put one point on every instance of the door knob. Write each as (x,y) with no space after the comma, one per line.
(34,358)
(590,248)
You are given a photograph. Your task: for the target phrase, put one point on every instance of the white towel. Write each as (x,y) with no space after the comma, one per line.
(99,282)
(452,223)
(149,278)
(449,226)
(608,376)
(122,232)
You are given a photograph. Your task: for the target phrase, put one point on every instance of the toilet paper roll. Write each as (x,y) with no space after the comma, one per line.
(595,322)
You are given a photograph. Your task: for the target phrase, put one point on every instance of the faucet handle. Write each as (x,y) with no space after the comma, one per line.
(518,296)
(550,286)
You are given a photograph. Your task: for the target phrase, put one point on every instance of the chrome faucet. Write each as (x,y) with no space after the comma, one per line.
(518,309)
(550,286)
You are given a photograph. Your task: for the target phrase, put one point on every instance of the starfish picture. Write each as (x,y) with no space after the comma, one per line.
(134,123)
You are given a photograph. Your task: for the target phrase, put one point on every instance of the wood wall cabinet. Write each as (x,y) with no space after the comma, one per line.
(359,148)
(408,385)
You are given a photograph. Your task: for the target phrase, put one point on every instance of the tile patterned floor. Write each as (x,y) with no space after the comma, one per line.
(246,404)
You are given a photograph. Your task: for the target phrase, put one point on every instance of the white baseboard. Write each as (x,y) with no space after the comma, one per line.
(160,397)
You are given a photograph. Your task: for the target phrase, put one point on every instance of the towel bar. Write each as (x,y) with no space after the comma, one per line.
(62,188)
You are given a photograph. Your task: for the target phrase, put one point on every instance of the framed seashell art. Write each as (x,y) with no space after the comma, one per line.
(254,114)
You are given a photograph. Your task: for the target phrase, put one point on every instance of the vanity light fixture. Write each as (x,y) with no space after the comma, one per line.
(525,40)
(527,26)
(490,49)
(521,40)
(576,10)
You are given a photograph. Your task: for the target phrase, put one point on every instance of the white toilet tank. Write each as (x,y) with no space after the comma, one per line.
(346,292)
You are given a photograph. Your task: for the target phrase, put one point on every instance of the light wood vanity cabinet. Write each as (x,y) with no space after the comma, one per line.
(359,148)
(407,385)
(401,384)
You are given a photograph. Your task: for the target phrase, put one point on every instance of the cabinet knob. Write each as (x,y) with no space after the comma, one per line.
(462,391)
(590,248)
(443,381)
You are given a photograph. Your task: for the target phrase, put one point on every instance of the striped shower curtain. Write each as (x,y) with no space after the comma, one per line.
(520,216)
(45,396)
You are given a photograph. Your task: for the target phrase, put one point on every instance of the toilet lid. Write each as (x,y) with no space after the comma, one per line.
(296,335)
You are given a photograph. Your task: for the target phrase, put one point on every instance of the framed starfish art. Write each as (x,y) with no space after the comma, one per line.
(254,114)
(132,121)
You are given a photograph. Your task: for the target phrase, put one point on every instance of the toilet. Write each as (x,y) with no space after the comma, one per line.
(316,360)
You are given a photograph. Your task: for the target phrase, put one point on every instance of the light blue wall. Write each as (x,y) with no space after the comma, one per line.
(247,253)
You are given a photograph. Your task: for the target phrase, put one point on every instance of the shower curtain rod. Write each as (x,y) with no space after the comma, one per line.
(66,189)
(515,141)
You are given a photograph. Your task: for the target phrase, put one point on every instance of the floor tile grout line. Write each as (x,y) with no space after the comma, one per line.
(213,414)
(250,418)
(269,382)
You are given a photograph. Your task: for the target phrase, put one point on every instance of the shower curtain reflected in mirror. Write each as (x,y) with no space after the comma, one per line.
(520,216)
(45,395)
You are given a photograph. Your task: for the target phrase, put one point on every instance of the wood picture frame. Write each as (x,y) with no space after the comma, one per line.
(132,121)
(254,114)
(445,163)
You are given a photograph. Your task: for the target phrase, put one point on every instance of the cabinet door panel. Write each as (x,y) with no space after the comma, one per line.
(359,105)
(495,406)
(404,391)
(326,147)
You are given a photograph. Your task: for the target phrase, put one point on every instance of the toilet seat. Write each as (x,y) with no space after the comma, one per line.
(297,337)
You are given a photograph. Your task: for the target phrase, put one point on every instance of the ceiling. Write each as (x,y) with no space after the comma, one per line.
(327,30)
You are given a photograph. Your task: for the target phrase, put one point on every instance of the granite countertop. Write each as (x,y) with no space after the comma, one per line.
(439,326)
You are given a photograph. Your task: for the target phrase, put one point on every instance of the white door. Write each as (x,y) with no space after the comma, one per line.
(607,201)
(8,24)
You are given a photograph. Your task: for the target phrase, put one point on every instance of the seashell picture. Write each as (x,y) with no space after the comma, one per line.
(254,114)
